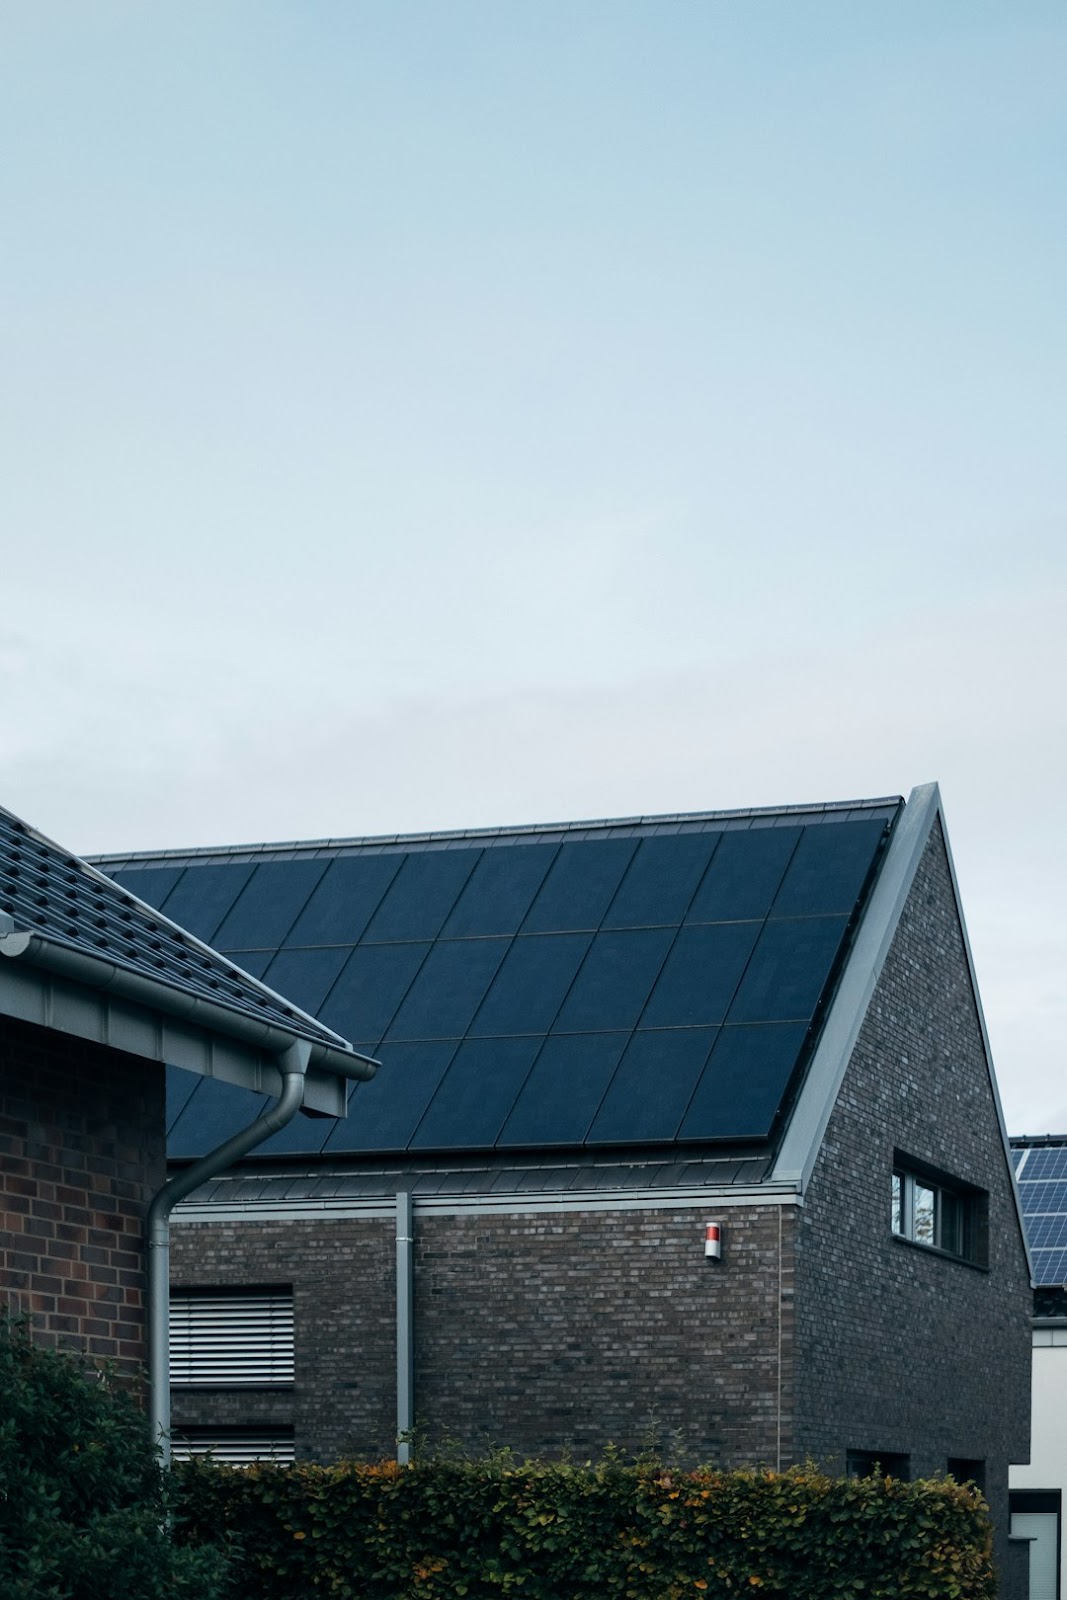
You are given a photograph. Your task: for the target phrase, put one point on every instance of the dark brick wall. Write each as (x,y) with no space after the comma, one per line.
(344,1307)
(539,1332)
(81,1153)
(900,1349)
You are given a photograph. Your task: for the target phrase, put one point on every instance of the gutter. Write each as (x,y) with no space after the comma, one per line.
(106,976)
(293,1064)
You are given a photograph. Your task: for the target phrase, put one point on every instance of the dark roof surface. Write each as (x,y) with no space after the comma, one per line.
(47,891)
(655,981)
(1041,1173)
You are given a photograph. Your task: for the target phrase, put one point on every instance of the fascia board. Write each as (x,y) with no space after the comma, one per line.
(50,1000)
(818,1095)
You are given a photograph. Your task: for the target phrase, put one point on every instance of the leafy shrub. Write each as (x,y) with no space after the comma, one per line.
(446,1530)
(82,1506)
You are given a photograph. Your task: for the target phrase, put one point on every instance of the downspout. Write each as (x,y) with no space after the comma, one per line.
(405,1340)
(293,1063)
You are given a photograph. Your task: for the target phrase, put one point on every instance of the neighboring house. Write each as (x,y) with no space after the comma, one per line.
(97,993)
(596,1040)
(1037,1490)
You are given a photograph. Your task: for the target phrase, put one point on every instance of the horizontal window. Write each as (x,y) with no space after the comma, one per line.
(231,1338)
(236,1447)
(932,1210)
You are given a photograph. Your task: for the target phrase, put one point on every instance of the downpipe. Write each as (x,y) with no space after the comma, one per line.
(293,1063)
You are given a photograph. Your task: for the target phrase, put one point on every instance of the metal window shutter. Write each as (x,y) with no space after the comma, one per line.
(236,1450)
(230,1340)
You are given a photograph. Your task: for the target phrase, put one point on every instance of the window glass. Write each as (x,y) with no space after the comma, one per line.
(923,1215)
(898,1202)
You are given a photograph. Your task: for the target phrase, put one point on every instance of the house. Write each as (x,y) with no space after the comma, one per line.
(686,1133)
(1037,1489)
(98,995)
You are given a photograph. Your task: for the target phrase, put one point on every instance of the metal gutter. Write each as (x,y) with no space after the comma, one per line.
(108,977)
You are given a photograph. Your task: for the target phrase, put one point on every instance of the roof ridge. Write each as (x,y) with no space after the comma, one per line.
(514,830)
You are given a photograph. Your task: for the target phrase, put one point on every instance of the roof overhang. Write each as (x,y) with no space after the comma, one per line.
(45,982)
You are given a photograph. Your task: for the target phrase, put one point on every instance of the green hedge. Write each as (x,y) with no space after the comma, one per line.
(442,1530)
(82,1497)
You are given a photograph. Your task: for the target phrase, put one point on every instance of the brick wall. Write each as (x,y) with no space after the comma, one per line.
(540,1332)
(81,1153)
(900,1349)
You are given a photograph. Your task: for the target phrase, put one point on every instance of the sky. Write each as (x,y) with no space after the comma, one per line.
(446,413)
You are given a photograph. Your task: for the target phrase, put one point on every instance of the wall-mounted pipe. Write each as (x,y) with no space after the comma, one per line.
(293,1063)
(405,1326)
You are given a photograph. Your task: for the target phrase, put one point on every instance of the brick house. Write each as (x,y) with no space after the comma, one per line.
(97,994)
(596,1040)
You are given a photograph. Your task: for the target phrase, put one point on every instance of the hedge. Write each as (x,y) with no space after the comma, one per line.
(82,1497)
(444,1529)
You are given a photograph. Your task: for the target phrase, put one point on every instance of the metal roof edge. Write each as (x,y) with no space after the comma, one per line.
(517,830)
(807,1124)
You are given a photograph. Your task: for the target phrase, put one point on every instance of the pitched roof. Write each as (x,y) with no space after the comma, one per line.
(519,984)
(61,916)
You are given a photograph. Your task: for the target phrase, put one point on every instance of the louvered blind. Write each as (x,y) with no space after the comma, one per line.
(229,1340)
(234,1448)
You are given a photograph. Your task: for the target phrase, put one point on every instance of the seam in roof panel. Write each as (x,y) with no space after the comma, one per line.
(837,810)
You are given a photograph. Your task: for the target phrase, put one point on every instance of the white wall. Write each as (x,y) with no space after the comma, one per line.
(1048,1448)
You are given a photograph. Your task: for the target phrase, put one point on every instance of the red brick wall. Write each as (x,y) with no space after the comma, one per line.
(81,1153)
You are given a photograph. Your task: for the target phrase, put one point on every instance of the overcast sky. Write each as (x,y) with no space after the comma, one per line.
(434,413)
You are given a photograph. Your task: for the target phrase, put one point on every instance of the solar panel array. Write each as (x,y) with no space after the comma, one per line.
(572,991)
(1041,1173)
(46,890)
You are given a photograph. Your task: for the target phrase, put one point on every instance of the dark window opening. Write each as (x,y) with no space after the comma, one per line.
(878,1464)
(967,1469)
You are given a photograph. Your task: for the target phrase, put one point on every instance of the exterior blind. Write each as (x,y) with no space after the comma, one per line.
(235,1449)
(230,1340)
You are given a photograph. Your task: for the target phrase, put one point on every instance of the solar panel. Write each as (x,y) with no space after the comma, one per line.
(370,988)
(305,976)
(529,988)
(1049,1161)
(565,1086)
(345,898)
(476,1094)
(701,975)
(580,885)
(744,875)
(827,869)
(661,880)
(1050,1266)
(652,1087)
(203,895)
(500,890)
(211,1114)
(743,1084)
(448,989)
(614,980)
(634,989)
(1039,1195)
(789,969)
(422,894)
(384,1113)
(150,884)
(268,905)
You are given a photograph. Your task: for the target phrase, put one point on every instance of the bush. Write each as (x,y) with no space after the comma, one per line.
(447,1530)
(82,1502)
